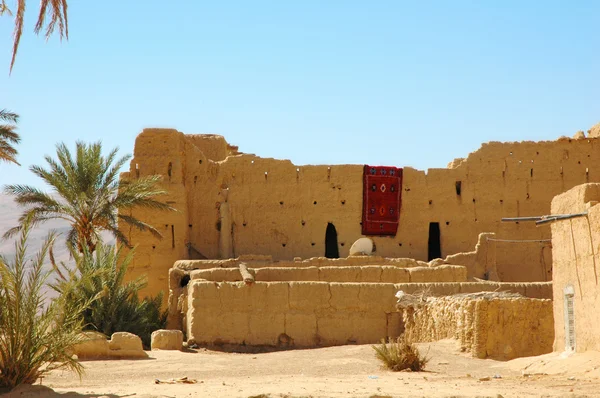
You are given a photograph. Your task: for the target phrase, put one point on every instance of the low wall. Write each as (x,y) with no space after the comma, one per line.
(256,261)
(291,314)
(488,326)
(367,274)
(305,314)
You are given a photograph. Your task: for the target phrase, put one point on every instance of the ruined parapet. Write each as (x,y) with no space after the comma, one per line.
(358,274)
(488,325)
(480,263)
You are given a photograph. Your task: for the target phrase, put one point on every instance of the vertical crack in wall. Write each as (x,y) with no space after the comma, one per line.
(587,219)
(575,256)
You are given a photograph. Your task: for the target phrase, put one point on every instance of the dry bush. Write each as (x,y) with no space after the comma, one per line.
(400,355)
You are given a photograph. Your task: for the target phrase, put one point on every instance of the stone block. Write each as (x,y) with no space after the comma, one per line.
(125,341)
(166,340)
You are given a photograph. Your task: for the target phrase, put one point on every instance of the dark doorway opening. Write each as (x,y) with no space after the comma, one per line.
(331,242)
(435,248)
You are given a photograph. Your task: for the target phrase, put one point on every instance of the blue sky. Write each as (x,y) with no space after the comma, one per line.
(379,82)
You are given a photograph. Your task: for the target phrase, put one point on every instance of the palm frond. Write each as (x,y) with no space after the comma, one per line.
(52,14)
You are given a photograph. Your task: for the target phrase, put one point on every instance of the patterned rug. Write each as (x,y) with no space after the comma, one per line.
(382,193)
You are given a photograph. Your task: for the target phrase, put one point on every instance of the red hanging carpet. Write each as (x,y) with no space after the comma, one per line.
(382,190)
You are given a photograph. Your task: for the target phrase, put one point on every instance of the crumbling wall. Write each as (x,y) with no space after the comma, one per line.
(575,248)
(335,313)
(486,325)
(362,274)
(231,204)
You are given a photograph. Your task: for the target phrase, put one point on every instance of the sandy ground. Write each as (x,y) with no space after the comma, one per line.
(348,371)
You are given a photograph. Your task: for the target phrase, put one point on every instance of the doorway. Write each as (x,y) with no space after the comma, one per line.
(331,242)
(435,248)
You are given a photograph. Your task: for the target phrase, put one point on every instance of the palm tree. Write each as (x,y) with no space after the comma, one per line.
(8,136)
(54,10)
(97,283)
(88,195)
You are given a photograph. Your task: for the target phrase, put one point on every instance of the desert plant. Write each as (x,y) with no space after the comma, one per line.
(400,355)
(56,10)
(88,195)
(34,339)
(117,308)
(8,136)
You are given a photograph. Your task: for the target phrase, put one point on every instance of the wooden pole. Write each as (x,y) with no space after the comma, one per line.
(246,275)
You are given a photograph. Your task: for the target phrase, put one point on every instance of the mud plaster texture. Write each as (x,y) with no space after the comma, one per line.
(498,328)
(575,248)
(304,313)
(232,204)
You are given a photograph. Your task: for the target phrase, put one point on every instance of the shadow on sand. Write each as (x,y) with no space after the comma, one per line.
(37,391)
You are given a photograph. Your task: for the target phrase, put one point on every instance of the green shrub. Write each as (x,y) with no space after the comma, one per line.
(34,338)
(400,355)
(117,307)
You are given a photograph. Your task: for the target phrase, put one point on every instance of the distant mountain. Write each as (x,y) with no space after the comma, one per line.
(9,215)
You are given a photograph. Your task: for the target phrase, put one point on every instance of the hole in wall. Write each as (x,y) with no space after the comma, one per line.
(430,202)
(531,172)
(200,161)
(458,187)
(501,201)
(218,225)
(195,179)
(434,249)
(244,224)
(343,202)
(473,200)
(579,162)
(331,242)
(315,202)
(153,247)
(312,243)
(303,223)
(527,197)
(281,202)
(184,281)
(400,244)
(172,236)
(283,244)
(190,225)
(170,169)
(447,222)
(342,244)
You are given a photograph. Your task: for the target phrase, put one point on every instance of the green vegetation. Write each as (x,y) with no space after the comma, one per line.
(400,355)
(98,279)
(88,195)
(33,340)
(8,136)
